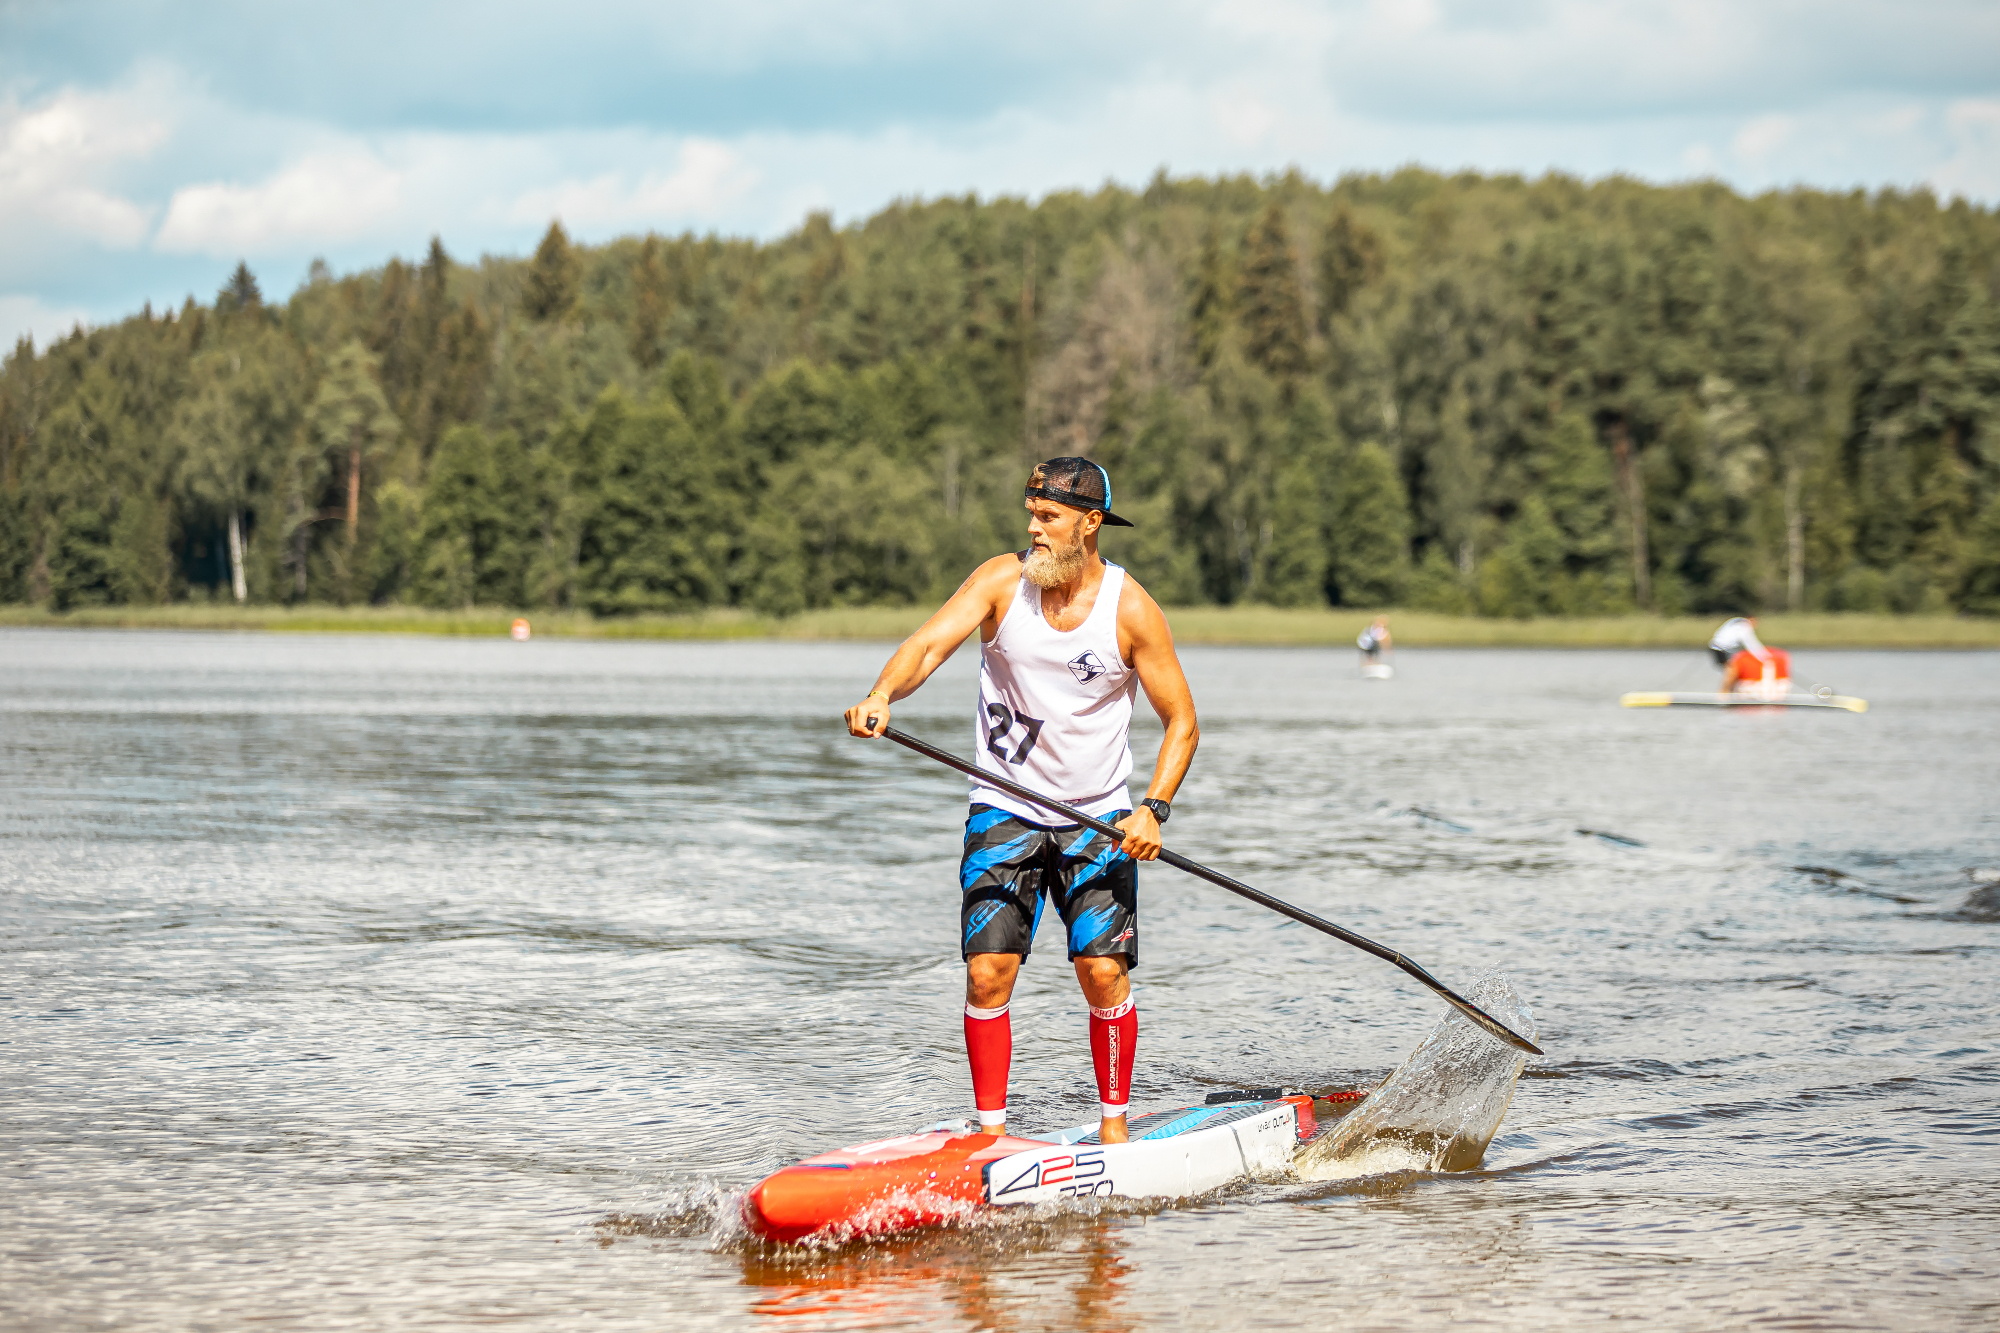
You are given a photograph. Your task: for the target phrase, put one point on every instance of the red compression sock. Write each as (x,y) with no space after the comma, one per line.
(989,1044)
(1114,1037)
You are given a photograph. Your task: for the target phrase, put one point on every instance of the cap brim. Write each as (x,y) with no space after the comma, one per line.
(1112,520)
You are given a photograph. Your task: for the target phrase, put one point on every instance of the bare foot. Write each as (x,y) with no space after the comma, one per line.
(1111,1130)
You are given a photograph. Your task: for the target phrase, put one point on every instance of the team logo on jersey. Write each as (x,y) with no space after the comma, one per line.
(1085,667)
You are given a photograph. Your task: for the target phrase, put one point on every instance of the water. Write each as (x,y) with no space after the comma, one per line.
(359,983)
(1441,1108)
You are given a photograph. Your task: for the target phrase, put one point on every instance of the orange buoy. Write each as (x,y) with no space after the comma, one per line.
(520,631)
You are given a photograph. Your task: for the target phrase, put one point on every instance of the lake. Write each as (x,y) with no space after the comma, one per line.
(364,982)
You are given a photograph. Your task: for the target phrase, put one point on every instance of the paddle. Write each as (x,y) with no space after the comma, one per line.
(1472,1011)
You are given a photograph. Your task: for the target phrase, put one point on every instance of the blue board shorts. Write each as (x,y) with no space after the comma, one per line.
(1011,867)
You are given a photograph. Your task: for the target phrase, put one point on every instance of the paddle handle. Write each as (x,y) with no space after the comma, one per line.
(1486,1021)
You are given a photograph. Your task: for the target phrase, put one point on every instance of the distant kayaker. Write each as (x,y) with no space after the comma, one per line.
(1066,637)
(1738,634)
(1373,642)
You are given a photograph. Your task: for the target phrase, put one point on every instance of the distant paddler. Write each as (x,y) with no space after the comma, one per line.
(1373,643)
(1066,637)
(1748,665)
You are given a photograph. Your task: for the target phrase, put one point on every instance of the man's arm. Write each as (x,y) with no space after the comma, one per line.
(1150,643)
(975,602)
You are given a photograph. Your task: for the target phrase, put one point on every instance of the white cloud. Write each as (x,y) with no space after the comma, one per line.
(1247,120)
(323,198)
(1973,169)
(710,177)
(27,316)
(1761,137)
(1698,159)
(54,158)
(727,117)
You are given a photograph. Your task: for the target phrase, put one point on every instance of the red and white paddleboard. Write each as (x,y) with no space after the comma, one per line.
(923,1179)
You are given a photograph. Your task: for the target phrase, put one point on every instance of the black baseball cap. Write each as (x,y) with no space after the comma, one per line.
(1078,483)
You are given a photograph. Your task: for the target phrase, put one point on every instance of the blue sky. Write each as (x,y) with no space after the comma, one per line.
(146,145)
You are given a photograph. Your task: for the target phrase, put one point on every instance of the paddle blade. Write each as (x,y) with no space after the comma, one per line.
(1489,1024)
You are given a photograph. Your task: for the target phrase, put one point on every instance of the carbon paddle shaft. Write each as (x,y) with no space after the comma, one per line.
(1451,997)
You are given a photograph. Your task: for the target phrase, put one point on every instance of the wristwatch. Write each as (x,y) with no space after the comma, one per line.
(1159,808)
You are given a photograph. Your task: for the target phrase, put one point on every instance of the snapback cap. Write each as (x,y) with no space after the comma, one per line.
(1078,483)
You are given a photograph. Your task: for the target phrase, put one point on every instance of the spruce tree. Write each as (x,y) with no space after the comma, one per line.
(1368,530)
(1350,257)
(1271,302)
(240,292)
(1209,307)
(649,303)
(550,287)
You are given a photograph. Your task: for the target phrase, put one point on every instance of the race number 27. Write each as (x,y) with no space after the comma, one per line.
(1002,721)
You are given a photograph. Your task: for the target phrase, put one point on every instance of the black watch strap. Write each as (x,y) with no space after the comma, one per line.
(1159,808)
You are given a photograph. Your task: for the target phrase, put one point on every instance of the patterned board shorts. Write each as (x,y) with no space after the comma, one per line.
(1011,867)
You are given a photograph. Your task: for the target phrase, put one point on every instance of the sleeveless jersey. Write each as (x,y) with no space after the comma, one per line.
(1055,708)
(1736,634)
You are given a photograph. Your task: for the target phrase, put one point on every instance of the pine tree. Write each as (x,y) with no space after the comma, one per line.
(350,419)
(1270,298)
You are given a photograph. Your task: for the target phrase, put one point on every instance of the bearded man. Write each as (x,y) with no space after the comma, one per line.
(1065,639)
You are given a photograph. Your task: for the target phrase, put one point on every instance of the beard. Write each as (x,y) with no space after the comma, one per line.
(1054,567)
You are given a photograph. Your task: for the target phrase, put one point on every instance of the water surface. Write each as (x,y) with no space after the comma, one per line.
(367,982)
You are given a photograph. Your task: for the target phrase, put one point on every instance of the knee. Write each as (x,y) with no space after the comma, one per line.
(1102,970)
(1101,977)
(989,979)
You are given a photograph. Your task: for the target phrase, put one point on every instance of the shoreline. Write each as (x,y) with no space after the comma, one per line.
(1250,626)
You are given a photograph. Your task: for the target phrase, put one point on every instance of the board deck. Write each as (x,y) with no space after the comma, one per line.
(1795,700)
(923,1179)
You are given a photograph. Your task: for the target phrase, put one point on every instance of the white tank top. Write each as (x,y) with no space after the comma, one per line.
(1736,634)
(1055,709)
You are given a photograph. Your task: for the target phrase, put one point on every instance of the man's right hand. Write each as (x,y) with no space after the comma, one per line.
(869,717)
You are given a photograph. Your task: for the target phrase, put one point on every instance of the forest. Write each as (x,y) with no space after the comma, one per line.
(1471,394)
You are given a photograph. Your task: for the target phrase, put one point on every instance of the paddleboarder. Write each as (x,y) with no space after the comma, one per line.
(1738,634)
(1373,642)
(1066,639)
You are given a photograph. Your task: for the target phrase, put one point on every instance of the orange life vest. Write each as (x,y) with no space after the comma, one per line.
(1752,670)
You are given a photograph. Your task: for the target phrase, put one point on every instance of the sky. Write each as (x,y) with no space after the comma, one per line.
(148,145)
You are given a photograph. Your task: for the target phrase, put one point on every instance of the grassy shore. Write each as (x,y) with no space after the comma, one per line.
(1193,624)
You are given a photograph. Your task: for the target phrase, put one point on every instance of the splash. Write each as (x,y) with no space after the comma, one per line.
(1441,1108)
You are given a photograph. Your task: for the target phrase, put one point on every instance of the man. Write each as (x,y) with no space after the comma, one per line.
(1372,641)
(1737,635)
(1065,636)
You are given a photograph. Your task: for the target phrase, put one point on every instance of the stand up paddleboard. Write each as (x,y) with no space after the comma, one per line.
(923,1179)
(1744,700)
(1378,671)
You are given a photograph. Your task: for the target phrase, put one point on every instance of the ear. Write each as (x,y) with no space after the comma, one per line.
(1092,520)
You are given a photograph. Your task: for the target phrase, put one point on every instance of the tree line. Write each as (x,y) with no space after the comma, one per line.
(1462,393)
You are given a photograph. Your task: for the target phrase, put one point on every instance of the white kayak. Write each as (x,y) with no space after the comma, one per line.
(1793,699)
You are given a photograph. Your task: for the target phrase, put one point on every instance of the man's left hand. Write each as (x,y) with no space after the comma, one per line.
(1142,835)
